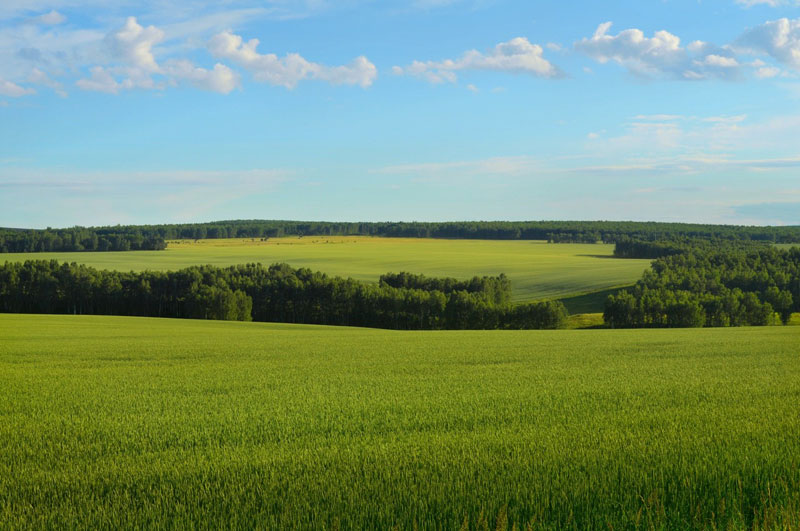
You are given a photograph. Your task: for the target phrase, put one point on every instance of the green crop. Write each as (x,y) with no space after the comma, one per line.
(109,422)
(537,270)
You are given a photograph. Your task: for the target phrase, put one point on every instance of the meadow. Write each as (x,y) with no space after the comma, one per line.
(537,270)
(109,422)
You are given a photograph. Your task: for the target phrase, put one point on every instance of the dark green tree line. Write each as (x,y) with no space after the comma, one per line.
(138,237)
(730,287)
(278,293)
(627,247)
(77,239)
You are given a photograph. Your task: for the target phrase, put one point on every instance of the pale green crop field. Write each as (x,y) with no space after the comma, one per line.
(537,269)
(109,422)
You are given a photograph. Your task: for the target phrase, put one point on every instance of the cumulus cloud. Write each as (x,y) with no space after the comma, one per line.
(660,55)
(219,79)
(517,55)
(292,68)
(779,39)
(134,65)
(131,48)
(663,56)
(11,89)
(133,44)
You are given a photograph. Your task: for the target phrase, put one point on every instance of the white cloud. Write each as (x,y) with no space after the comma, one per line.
(219,79)
(131,51)
(102,81)
(149,57)
(767,72)
(517,55)
(506,166)
(739,118)
(663,56)
(135,65)
(718,60)
(660,55)
(53,18)
(780,39)
(41,78)
(133,44)
(10,89)
(292,68)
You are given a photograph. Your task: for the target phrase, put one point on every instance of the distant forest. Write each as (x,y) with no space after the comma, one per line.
(278,293)
(153,237)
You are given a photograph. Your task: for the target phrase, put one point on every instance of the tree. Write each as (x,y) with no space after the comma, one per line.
(621,310)
(781,301)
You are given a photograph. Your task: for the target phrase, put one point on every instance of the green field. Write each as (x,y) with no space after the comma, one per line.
(109,422)
(537,270)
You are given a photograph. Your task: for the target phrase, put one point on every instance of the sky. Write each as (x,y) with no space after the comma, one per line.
(149,111)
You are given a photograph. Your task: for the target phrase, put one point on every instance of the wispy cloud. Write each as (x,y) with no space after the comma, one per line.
(12,90)
(771,213)
(38,77)
(86,180)
(650,145)
(491,166)
(48,19)
(770,3)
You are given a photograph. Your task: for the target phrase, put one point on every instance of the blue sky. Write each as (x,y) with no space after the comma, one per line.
(151,112)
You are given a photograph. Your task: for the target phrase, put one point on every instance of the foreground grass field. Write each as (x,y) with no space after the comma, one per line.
(110,422)
(537,270)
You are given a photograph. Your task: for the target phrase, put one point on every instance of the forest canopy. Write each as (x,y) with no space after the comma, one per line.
(704,287)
